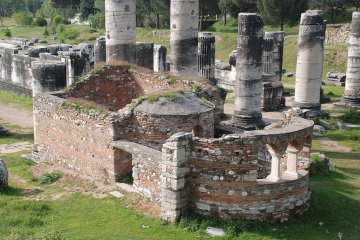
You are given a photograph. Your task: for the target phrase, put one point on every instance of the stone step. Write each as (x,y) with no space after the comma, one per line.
(126,187)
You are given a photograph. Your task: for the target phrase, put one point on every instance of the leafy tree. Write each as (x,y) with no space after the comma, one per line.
(57,19)
(281,12)
(87,7)
(21,18)
(66,3)
(41,22)
(34,5)
(226,6)
(97,21)
(160,7)
(206,8)
(245,5)
(332,7)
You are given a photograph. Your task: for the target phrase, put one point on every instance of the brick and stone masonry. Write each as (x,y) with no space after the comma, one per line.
(184,16)
(248,85)
(120,19)
(160,53)
(351,97)
(100,51)
(310,60)
(206,56)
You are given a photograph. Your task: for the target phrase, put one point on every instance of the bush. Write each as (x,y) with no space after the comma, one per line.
(97,21)
(49,178)
(60,28)
(57,19)
(7,32)
(53,29)
(70,34)
(351,116)
(46,32)
(41,22)
(319,166)
(65,21)
(22,18)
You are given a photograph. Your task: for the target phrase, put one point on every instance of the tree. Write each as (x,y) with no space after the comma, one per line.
(226,6)
(332,7)
(66,3)
(281,12)
(87,7)
(160,7)
(245,5)
(207,8)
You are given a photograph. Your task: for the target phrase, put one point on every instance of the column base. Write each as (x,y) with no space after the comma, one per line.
(273,178)
(248,122)
(272,96)
(349,102)
(291,175)
(310,106)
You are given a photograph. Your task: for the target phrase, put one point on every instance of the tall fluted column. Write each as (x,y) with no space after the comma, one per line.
(206,58)
(184,15)
(120,20)
(351,95)
(310,60)
(248,84)
(279,39)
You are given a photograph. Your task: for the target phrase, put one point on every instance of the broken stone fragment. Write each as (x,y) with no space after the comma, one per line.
(4,177)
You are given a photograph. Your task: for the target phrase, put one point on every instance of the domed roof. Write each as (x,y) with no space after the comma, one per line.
(176,103)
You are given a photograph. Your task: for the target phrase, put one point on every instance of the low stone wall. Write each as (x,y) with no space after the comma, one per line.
(72,139)
(9,86)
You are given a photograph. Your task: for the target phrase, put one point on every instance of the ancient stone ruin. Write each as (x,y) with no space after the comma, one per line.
(351,97)
(4,177)
(166,131)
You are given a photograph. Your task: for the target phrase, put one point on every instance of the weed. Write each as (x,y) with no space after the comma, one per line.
(351,116)
(197,87)
(49,178)
(7,32)
(171,97)
(181,92)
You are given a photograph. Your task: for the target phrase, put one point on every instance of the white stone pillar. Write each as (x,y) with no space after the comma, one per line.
(248,84)
(292,163)
(310,60)
(184,20)
(120,20)
(351,95)
(275,166)
(279,39)
(160,53)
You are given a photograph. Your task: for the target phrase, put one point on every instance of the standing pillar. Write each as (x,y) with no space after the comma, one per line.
(160,53)
(248,84)
(206,56)
(184,16)
(310,60)
(100,51)
(292,163)
(120,20)
(275,166)
(351,97)
(278,52)
(268,73)
(145,54)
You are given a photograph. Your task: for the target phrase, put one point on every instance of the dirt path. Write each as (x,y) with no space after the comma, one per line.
(15,147)
(14,116)
(329,145)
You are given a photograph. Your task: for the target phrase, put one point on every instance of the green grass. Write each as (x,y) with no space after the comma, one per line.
(20,101)
(351,116)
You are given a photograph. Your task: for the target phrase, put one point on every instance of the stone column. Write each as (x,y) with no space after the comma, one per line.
(145,54)
(248,84)
(174,196)
(292,163)
(351,97)
(275,166)
(160,53)
(232,62)
(68,58)
(184,17)
(268,73)
(206,56)
(100,51)
(310,60)
(120,20)
(279,39)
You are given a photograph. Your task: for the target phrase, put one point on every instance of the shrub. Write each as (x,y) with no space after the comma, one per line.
(49,178)
(319,166)
(41,22)
(70,34)
(46,32)
(22,18)
(60,28)
(57,19)
(65,21)
(197,87)
(97,20)
(53,29)
(351,116)
(7,32)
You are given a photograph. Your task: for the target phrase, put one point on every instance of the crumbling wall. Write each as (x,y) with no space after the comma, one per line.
(74,138)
